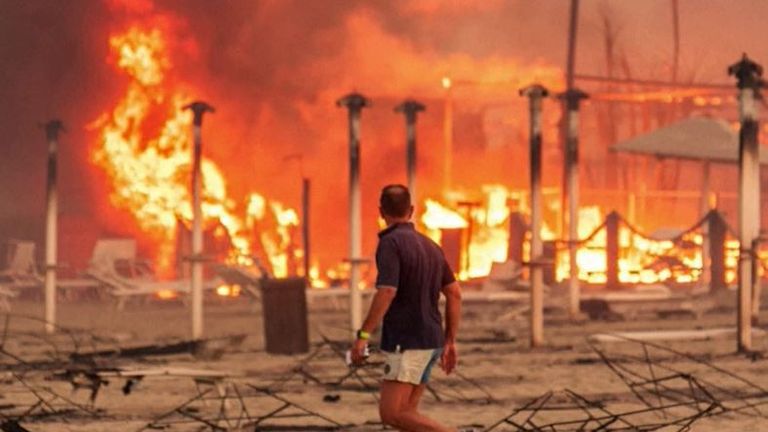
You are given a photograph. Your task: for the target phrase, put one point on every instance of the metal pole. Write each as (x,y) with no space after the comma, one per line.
(570,208)
(717,231)
(305,191)
(198,108)
(571,99)
(518,228)
(748,75)
(410,108)
(466,253)
(52,129)
(535,94)
(355,103)
(706,259)
(612,251)
(573,28)
(447,135)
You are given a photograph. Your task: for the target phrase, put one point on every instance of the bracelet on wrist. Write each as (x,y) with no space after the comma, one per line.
(363,335)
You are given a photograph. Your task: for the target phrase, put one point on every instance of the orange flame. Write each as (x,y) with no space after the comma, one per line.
(150,173)
(638,256)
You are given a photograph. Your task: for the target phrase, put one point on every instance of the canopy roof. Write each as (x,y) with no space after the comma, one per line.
(702,139)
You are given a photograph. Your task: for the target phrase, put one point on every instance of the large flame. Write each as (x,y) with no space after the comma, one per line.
(150,169)
(638,262)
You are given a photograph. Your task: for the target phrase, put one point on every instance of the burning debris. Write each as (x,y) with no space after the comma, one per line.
(145,148)
(610,250)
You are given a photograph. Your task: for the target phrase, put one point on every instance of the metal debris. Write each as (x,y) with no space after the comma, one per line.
(672,388)
(12,426)
(659,375)
(326,366)
(35,402)
(238,407)
(566,410)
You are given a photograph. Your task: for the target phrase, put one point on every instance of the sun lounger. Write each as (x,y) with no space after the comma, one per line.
(499,286)
(21,273)
(114,264)
(250,278)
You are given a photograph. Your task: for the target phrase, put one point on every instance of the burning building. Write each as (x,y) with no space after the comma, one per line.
(275,81)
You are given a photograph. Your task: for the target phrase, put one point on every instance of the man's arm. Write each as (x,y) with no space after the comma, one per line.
(379,305)
(452,293)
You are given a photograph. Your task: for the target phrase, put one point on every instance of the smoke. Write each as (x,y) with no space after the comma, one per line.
(274,68)
(274,71)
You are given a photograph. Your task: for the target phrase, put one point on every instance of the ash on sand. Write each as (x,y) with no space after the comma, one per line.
(500,377)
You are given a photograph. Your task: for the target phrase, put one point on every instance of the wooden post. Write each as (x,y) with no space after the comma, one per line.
(535,94)
(518,229)
(748,74)
(354,103)
(451,244)
(466,250)
(717,231)
(306,187)
(706,259)
(612,251)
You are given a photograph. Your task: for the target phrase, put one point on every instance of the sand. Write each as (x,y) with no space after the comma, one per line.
(494,353)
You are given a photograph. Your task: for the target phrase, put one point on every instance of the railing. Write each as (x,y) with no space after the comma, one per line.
(619,239)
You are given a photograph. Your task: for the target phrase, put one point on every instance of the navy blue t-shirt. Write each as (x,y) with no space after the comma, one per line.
(416,267)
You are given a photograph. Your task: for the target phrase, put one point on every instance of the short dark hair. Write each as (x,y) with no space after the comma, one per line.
(395,200)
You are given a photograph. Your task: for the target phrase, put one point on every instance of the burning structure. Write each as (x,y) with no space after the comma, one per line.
(471,162)
(149,172)
(121,72)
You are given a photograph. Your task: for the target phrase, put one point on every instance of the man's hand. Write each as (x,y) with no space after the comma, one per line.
(450,358)
(358,352)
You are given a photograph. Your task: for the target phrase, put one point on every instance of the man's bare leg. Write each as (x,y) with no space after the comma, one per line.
(399,408)
(391,399)
(415,398)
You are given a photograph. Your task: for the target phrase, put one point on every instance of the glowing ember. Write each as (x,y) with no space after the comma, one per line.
(167,294)
(228,290)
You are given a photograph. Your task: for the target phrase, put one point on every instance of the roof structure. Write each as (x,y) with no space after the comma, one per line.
(697,138)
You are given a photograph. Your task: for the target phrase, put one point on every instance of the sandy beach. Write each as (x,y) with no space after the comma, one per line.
(498,371)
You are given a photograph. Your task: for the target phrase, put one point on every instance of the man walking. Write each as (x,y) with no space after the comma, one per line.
(412,272)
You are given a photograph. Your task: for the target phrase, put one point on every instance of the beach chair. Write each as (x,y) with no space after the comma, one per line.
(499,286)
(21,273)
(250,278)
(114,264)
(247,277)
(20,269)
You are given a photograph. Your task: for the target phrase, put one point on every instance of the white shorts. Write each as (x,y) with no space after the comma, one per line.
(410,366)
